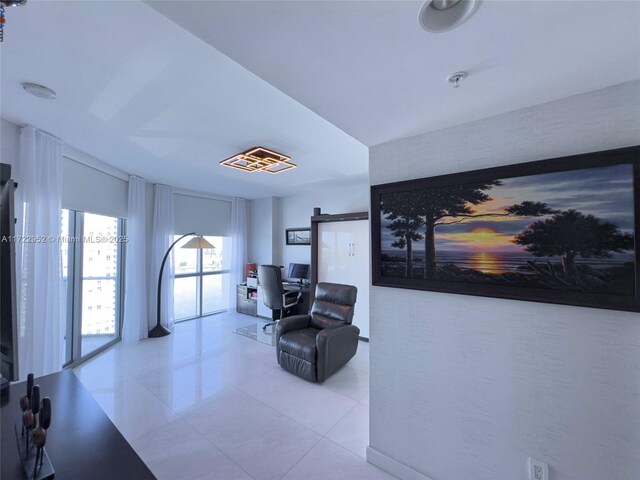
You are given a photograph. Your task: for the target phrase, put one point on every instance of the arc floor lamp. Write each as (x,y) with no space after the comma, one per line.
(197,242)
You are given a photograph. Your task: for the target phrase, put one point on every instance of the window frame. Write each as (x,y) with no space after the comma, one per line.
(75,254)
(199,274)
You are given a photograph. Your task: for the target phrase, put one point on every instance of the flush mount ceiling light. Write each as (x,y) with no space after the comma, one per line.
(39,91)
(259,159)
(441,15)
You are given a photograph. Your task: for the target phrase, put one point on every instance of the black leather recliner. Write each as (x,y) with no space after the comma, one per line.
(317,345)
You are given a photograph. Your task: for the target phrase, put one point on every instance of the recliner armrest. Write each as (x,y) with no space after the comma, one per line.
(294,322)
(336,345)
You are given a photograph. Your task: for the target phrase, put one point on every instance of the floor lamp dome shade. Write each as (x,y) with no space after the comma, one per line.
(198,242)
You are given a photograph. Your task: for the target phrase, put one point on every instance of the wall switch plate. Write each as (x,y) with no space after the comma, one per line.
(538,470)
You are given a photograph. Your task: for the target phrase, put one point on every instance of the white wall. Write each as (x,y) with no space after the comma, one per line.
(468,387)
(9,143)
(268,218)
(262,224)
(296,212)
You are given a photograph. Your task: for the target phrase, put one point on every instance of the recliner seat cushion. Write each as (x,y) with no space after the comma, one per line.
(300,343)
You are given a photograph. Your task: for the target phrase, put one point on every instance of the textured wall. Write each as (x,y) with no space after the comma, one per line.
(467,388)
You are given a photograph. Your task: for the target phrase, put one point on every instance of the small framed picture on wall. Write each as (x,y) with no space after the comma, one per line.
(298,236)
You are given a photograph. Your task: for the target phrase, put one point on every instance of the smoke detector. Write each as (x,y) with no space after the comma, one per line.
(438,16)
(455,78)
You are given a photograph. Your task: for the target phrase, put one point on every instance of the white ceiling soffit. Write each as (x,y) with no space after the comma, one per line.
(141,93)
(368,67)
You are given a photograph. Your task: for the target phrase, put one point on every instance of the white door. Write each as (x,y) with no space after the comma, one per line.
(343,257)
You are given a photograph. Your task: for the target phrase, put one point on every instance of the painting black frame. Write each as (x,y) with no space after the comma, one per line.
(306,229)
(629,155)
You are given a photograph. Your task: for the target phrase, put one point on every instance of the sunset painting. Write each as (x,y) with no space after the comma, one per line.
(570,231)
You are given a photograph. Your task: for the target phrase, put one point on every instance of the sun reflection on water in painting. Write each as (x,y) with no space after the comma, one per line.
(488,263)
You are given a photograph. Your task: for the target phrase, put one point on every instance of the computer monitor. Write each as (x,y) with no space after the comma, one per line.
(299,271)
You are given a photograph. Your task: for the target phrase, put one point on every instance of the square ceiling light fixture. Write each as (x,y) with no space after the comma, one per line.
(259,159)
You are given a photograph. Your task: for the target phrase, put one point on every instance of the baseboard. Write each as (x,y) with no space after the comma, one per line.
(392,466)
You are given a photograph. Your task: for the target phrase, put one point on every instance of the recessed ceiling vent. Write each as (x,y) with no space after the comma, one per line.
(39,91)
(442,15)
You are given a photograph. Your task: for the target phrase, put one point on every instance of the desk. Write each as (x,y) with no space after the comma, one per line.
(82,443)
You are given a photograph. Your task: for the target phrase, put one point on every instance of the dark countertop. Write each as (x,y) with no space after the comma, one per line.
(82,443)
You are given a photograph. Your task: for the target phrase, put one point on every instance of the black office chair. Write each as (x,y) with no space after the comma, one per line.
(274,295)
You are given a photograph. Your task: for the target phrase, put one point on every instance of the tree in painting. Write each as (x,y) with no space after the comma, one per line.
(430,208)
(572,233)
(402,210)
(436,205)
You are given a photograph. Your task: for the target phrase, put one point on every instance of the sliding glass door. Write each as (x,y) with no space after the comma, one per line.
(201,285)
(100,313)
(92,270)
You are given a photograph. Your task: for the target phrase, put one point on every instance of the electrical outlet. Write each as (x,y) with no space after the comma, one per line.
(538,470)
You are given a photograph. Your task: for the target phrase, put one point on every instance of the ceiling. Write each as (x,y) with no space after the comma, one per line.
(139,92)
(368,68)
(167,89)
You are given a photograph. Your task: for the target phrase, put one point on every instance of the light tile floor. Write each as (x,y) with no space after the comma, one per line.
(206,403)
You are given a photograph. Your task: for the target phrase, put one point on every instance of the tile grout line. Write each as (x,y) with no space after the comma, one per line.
(320,439)
(179,417)
(233,387)
(302,457)
(237,387)
(341,418)
(218,449)
(296,421)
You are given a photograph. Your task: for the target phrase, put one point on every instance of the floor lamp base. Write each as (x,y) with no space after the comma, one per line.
(158,331)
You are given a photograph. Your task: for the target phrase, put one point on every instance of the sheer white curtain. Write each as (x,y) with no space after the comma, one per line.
(238,247)
(161,240)
(39,197)
(134,325)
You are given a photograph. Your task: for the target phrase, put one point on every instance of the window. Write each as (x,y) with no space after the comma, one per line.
(92,269)
(201,285)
